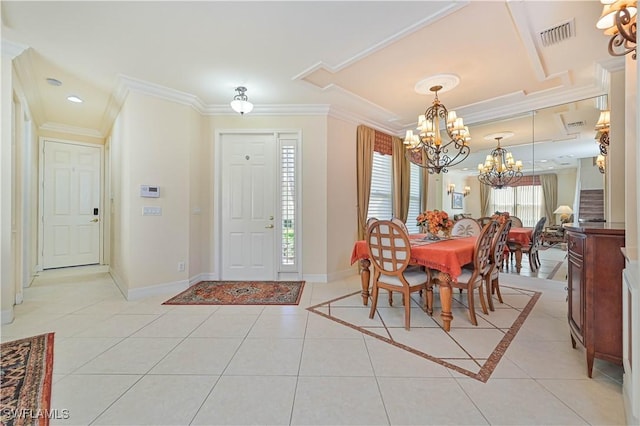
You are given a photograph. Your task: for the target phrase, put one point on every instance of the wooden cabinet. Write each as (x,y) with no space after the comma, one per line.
(595,289)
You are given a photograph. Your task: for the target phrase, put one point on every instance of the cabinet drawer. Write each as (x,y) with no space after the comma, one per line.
(575,244)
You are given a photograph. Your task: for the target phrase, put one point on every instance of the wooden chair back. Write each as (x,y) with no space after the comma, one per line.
(466,227)
(515,222)
(499,243)
(482,254)
(388,247)
(401,224)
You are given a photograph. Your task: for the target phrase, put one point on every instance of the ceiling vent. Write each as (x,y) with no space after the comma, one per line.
(558,33)
(574,124)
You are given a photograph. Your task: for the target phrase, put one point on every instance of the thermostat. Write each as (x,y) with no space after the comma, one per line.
(149,191)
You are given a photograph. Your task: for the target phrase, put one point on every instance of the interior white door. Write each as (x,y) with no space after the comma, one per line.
(71,204)
(248,206)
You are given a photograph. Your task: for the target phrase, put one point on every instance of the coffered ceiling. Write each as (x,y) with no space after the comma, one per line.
(358,60)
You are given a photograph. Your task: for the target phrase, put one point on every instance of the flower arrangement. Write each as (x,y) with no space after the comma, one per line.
(434,221)
(501,217)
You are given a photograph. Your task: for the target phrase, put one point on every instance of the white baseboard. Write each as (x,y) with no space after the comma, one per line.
(6,316)
(315,278)
(340,275)
(119,282)
(171,288)
(209,276)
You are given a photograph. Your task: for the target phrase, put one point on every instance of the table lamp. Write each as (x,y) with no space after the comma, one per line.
(564,212)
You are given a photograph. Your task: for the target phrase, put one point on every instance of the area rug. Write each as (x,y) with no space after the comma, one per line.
(458,349)
(240,293)
(26,365)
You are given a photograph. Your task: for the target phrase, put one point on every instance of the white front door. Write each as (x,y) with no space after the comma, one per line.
(71,204)
(248,206)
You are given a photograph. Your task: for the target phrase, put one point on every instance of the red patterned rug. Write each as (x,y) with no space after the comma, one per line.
(26,365)
(240,293)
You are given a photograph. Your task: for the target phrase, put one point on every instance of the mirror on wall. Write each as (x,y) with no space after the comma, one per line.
(558,140)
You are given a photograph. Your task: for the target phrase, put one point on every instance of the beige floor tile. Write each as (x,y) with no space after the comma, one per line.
(197,355)
(268,357)
(335,357)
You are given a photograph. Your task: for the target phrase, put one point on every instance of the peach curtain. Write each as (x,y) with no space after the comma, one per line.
(401,179)
(485,200)
(549,183)
(365,140)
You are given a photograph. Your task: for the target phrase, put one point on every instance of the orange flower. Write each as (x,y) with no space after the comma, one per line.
(501,217)
(434,220)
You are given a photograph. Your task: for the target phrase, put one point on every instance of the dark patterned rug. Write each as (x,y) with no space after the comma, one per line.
(240,293)
(26,368)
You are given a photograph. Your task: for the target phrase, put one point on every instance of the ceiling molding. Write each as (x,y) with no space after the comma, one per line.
(79,131)
(518,12)
(28,83)
(126,83)
(447,10)
(357,119)
(271,109)
(12,49)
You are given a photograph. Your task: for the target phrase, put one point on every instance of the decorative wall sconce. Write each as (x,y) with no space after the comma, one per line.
(600,162)
(467,191)
(602,131)
(618,20)
(451,188)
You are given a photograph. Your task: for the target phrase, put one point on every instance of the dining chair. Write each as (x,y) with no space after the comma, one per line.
(474,278)
(466,227)
(532,249)
(515,222)
(498,246)
(390,252)
(401,224)
(483,221)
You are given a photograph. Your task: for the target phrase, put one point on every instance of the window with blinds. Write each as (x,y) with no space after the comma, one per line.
(381,187)
(524,201)
(288,204)
(415,189)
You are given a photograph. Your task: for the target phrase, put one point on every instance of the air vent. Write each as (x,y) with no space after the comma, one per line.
(576,124)
(558,33)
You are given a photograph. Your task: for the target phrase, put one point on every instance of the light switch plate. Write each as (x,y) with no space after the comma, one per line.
(152,211)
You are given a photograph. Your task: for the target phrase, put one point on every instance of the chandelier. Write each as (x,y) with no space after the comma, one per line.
(602,131)
(240,102)
(618,20)
(427,149)
(499,168)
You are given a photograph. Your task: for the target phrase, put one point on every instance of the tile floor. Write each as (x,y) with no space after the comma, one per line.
(141,362)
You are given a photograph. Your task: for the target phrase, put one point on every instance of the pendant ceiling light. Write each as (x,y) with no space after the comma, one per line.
(240,102)
(499,168)
(427,149)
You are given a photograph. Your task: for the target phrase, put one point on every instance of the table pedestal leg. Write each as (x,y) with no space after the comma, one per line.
(446,295)
(364,279)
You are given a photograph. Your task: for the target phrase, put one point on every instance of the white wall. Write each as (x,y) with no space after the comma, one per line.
(342,216)
(590,176)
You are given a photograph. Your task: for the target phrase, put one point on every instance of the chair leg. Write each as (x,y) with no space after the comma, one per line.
(374,300)
(482,301)
(472,310)
(390,298)
(489,291)
(496,285)
(407,310)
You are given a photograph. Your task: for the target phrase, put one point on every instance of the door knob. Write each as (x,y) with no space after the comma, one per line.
(95,219)
(269,226)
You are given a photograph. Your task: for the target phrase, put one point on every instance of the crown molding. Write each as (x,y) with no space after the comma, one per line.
(357,119)
(79,131)
(29,86)
(126,84)
(271,109)
(12,49)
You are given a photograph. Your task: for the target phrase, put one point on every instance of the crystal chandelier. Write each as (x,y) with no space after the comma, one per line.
(427,149)
(499,168)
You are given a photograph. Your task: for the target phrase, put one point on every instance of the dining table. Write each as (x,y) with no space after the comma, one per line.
(518,238)
(443,259)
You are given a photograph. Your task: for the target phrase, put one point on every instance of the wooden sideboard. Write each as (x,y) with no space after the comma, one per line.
(595,289)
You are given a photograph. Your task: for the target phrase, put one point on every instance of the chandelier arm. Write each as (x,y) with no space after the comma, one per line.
(624,41)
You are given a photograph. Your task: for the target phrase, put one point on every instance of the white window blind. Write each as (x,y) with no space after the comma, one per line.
(288,204)
(414,198)
(524,202)
(380,195)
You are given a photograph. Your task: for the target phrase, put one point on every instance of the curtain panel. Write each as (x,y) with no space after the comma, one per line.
(401,180)
(549,183)
(365,141)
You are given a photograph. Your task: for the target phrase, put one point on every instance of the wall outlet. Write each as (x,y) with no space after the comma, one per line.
(180,266)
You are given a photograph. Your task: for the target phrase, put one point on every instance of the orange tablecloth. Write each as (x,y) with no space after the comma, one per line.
(447,256)
(521,236)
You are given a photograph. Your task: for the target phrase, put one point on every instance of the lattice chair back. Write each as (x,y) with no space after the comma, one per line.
(389,248)
(466,227)
(500,242)
(515,222)
(482,253)
(401,224)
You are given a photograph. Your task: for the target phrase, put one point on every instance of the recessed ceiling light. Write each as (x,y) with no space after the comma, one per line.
(74,98)
(543,161)
(54,82)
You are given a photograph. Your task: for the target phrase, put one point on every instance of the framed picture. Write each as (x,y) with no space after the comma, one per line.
(456,200)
